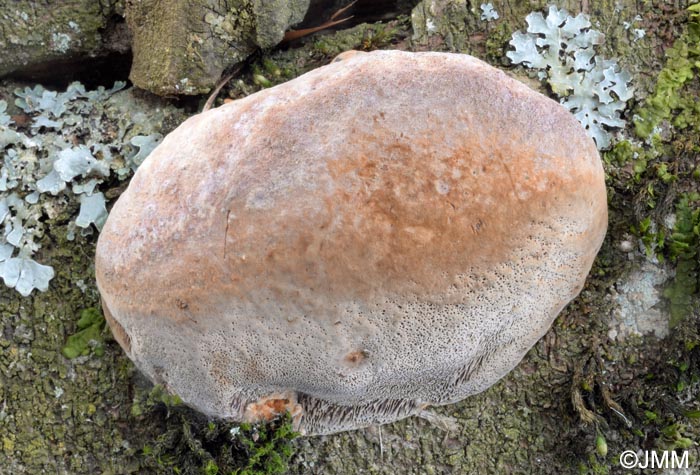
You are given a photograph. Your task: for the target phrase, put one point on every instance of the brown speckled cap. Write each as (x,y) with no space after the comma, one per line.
(391,231)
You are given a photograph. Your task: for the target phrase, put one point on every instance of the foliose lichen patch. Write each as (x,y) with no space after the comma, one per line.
(561,48)
(54,157)
(58,414)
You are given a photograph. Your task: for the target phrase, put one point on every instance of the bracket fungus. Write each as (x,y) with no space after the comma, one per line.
(388,232)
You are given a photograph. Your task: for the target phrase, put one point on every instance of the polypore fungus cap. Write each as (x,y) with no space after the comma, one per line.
(390,231)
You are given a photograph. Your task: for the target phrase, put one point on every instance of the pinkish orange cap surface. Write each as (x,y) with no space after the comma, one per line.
(390,231)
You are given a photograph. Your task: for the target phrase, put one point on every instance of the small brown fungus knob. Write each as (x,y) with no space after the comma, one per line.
(390,231)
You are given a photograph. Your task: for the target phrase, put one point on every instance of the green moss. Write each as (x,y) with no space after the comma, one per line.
(8,443)
(90,335)
(268,447)
(674,437)
(271,68)
(361,37)
(625,153)
(667,102)
(147,399)
(601,446)
(652,238)
(497,44)
(684,247)
(189,443)
(211,468)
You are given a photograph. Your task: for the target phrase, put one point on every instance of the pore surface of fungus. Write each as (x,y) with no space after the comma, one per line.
(388,232)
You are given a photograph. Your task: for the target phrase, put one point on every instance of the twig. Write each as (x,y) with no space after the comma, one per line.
(296,34)
(343,10)
(219,86)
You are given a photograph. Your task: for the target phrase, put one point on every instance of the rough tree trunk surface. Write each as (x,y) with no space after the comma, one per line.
(183,47)
(36,38)
(589,380)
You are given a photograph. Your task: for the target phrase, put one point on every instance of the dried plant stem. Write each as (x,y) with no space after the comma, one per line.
(219,86)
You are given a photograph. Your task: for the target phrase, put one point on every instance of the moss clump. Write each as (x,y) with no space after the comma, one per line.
(146,401)
(363,37)
(189,443)
(667,103)
(684,247)
(268,447)
(630,161)
(89,338)
(652,238)
(496,44)
(661,171)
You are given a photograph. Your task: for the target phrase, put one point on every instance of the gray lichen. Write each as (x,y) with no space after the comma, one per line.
(488,13)
(562,50)
(55,161)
